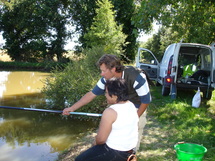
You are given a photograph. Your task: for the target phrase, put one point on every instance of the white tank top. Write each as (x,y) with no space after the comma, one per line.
(124,133)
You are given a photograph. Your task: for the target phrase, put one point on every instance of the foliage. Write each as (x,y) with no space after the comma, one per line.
(104,30)
(36,29)
(68,86)
(125,10)
(177,121)
(159,42)
(83,12)
(193,20)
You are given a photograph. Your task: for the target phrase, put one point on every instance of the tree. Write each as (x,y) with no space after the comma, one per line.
(193,20)
(159,41)
(125,10)
(104,30)
(36,29)
(83,12)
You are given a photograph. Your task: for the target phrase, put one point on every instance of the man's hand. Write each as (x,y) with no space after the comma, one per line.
(88,97)
(67,111)
(142,109)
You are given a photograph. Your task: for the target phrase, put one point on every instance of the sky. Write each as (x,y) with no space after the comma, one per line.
(145,37)
(142,37)
(1,40)
(70,44)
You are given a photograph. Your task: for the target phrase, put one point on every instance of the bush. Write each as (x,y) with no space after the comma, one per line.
(66,87)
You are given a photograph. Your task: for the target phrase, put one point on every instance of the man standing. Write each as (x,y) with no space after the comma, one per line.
(138,89)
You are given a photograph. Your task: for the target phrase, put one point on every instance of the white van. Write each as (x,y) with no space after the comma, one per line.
(183,66)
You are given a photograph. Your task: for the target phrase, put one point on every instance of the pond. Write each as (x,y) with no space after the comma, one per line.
(30,135)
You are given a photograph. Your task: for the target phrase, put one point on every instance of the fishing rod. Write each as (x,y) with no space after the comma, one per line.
(51,111)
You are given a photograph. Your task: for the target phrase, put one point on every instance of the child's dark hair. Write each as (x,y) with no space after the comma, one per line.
(117,87)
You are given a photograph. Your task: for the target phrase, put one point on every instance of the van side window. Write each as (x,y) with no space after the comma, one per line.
(205,59)
(147,58)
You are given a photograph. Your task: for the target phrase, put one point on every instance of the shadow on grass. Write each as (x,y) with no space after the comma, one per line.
(171,121)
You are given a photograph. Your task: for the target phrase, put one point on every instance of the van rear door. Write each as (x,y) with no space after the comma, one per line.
(175,67)
(147,61)
(213,65)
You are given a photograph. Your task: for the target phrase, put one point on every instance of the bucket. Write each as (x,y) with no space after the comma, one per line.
(190,152)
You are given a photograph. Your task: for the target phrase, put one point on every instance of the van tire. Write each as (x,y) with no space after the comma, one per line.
(165,90)
(207,97)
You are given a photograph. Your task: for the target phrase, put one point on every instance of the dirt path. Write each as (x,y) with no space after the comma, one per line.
(81,146)
(154,144)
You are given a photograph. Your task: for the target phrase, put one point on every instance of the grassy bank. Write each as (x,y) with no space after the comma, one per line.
(42,66)
(7,64)
(169,121)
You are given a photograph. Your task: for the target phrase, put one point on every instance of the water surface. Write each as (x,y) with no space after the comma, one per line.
(31,135)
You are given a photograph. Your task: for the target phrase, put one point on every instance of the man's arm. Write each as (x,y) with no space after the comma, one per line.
(88,97)
(142,109)
(143,92)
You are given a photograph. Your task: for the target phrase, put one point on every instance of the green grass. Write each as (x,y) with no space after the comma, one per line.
(42,66)
(171,121)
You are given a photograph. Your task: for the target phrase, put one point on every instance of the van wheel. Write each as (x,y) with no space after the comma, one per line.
(165,91)
(207,96)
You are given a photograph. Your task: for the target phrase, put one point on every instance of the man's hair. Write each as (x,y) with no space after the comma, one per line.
(110,62)
(117,87)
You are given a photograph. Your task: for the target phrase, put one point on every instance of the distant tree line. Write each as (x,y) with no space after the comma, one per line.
(36,30)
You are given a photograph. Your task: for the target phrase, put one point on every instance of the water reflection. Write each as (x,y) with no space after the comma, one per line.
(22,88)
(19,127)
(13,83)
(31,135)
(3,80)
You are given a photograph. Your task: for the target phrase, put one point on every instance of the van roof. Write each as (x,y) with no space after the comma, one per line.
(194,44)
